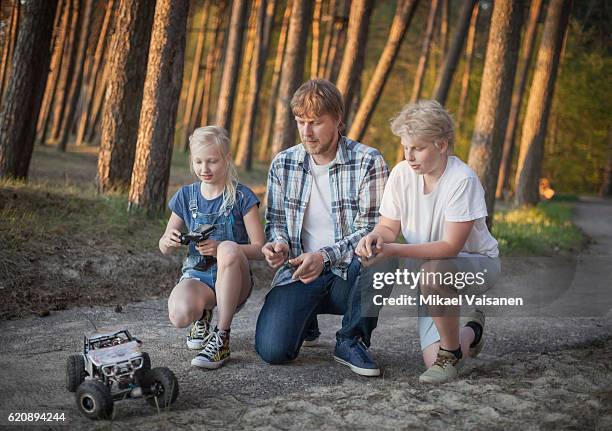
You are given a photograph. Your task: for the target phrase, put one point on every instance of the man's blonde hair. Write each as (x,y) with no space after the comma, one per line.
(318,97)
(203,137)
(425,119)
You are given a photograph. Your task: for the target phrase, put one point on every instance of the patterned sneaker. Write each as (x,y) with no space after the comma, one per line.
(200,329)
(445,368)
(355,355)
(477,316)
(216,351)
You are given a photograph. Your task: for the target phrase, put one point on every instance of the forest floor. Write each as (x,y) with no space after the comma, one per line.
(549,367)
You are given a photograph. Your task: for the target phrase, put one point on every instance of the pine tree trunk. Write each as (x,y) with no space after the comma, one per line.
(538,107)
(93,132)
(231,67)
(337,41)
(9,46)
(329,31)
(61,17)
(186,124)
(467,71)
(316,37)
(149,184)
(92,73)
(26,85)
(401,22)
(444,24)
(422,66)
(495,96)
(127,68)
(449,65)
(291,75)
(244,155)
(266,140)
(529,39)
(354,52)
(77,78)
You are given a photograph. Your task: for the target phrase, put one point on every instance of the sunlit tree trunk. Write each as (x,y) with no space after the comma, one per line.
(467,71)
(316,36)
(517,97)
(24,93)
(149,184)
(9,45)
(354,52)
(291,75)
(538,106)
(329,19)
(495,96)
(445,78)
(127,67)
(231,66)
(401,22)
(337,42)
(265,143)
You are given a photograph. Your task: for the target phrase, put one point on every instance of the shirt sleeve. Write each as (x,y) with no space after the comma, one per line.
(467,202)
(390,206)
(247,199)
(177,202)
(276,225)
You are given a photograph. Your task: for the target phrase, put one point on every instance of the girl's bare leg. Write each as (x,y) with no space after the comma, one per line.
(187,301)
(233,281)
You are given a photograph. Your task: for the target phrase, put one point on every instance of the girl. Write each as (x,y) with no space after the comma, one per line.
(215,199)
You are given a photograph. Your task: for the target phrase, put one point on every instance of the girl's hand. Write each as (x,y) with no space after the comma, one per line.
(170,239)
(208,247)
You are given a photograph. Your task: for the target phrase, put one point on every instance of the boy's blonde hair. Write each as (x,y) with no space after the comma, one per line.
(425,119)
(203,137)
(318,97)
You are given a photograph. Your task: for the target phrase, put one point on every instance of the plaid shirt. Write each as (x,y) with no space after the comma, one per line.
(357,178)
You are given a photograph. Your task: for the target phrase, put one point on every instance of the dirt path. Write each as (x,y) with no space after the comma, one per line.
(539,372)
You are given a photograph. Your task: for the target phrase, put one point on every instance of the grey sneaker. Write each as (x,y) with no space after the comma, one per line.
(310,341)
(200,329)
(478,317)
(446,368)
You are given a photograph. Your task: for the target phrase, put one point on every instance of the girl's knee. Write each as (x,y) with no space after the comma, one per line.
(229,253)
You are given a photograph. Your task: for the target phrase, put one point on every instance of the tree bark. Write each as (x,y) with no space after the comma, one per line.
(444,24)
(9,46)
(186,124)
(316,36)
(329,31)
(538,106)
(517,98)
(128,64)
(291,75)
(495,95)
(422,66)
(266,140)
(149,184)
(401,22)
(23,97)
(449,65)
(338,41)
(467,71)
(92,72)
(231,66)
(77,78)
(354,52)
(244,155)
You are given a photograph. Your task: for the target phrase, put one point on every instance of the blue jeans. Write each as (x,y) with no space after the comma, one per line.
(290,310)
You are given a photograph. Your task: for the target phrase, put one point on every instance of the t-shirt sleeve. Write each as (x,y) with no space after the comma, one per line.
(390,206)
(177,202)
(467,202)
(246,199)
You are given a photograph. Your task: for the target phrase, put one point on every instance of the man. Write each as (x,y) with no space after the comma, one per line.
(323,197)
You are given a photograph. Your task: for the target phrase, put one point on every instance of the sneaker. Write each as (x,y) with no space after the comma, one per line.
(200,329)
(310,341)
(216,351)
(445,368)
(478,317)
(355,355)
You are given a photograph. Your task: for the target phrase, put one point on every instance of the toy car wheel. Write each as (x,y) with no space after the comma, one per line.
(160,387)
(75,371)
(94,400)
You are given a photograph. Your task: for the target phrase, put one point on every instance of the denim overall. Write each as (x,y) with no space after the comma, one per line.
(224,224)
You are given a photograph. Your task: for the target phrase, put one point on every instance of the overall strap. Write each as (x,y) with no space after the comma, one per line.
(193,199)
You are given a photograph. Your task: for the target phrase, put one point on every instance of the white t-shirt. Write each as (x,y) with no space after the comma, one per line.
(457,197)
(318,225)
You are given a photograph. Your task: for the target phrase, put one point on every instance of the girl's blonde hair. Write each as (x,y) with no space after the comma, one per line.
(425,119)
(203,137)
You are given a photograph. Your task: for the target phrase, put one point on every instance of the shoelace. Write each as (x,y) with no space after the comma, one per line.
(200,329)
(363,349)
(213,343)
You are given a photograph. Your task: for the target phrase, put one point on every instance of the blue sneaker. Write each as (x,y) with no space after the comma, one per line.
(354,354)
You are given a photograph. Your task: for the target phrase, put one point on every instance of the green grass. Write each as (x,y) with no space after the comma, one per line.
(538,231)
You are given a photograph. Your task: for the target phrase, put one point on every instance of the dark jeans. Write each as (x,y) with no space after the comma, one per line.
(289,314)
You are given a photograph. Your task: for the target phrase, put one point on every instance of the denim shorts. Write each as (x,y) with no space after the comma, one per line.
(208,279)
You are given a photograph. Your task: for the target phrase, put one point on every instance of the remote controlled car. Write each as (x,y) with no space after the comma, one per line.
(111,368)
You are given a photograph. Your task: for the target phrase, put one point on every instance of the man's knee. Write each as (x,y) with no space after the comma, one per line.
(272,352)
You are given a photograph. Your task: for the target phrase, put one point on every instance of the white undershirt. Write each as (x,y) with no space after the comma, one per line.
(318,225)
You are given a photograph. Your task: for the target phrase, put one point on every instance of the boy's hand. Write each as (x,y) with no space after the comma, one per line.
(370,245)
(384,252)
(309,266)
(208,247)
(276,253)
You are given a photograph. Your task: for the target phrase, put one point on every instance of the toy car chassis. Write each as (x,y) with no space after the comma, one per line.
(112,368)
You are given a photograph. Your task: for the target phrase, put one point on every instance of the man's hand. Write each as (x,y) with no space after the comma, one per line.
(276,253)
(309,266)
(370,245)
